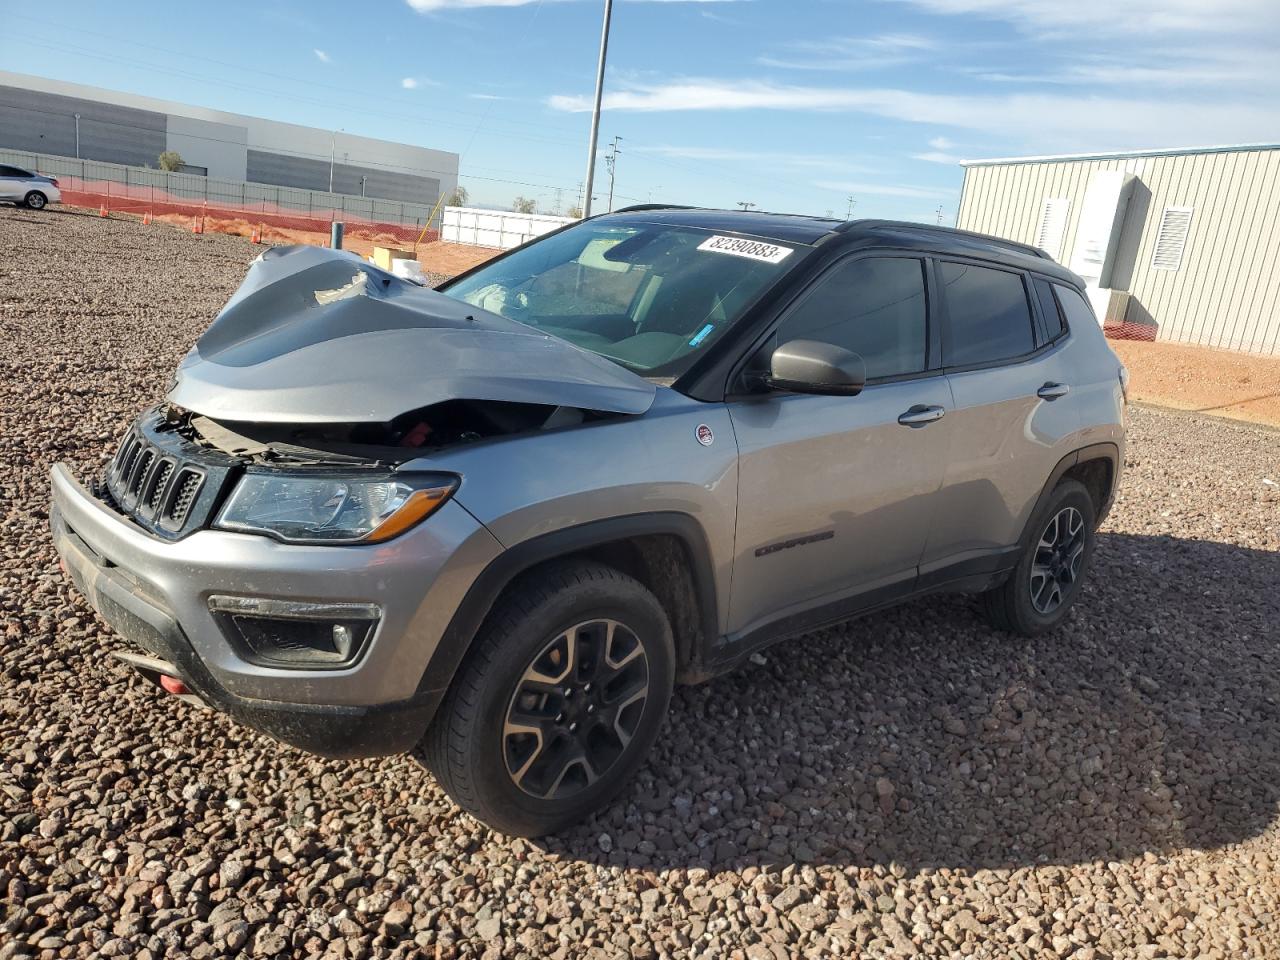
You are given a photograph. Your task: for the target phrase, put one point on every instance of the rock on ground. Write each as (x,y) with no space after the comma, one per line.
(911,783)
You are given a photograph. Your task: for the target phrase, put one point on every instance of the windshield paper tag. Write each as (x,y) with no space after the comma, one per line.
(751,249)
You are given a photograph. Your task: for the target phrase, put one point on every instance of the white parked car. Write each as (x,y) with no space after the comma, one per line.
(28,189)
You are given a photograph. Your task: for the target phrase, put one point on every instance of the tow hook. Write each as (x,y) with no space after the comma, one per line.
(174,685)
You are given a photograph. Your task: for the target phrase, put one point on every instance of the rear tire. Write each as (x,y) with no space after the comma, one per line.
(35,200)
(563,693)
(1038,595)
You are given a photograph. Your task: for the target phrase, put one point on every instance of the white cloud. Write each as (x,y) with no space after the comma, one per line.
(431,6)
(938,156)
(883,189)
(486,96)
(1054,121)
(409,83)
(322,56)
(852,53)
(726,155)
(1108,16)
(941,143)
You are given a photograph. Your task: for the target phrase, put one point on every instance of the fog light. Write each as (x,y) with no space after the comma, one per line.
(295,634)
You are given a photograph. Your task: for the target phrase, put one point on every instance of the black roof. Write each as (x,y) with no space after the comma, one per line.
(769,226)
(792,228)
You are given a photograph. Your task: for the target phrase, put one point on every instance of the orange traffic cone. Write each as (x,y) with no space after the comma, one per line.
(146,219)
(256,237)
(197,225)
(102,209)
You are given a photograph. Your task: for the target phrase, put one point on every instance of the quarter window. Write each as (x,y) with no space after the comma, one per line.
(990,318)
(875,307)
(1075,307)
(1053,326)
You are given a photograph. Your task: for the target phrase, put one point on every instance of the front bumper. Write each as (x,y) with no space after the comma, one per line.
(155,593)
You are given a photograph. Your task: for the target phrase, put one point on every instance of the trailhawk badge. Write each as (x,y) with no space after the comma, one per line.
(704,435)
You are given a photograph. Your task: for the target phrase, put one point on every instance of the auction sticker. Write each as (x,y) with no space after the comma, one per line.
(751,249)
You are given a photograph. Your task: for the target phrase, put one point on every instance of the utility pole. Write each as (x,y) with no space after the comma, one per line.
(78,137)
(745,205)
(611,161)
(939,214)
(852,203)
(362,180)
(333,141)
(595,113)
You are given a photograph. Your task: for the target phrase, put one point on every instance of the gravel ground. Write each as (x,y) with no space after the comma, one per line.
(909,784)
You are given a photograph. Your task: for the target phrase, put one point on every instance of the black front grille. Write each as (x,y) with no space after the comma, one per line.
(166,483)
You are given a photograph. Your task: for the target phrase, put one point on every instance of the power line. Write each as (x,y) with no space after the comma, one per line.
(394,168)
(364,108)
(257,71)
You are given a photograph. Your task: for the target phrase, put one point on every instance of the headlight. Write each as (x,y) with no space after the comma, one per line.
(333,509)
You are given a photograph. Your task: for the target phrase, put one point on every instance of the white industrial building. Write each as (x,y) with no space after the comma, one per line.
(1180,245)
(52,117)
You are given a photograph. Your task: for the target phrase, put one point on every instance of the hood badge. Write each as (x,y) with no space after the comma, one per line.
(704,435)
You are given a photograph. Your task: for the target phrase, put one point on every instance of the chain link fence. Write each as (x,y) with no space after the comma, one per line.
(118,188)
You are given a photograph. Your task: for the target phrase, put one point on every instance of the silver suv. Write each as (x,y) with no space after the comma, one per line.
(497,522)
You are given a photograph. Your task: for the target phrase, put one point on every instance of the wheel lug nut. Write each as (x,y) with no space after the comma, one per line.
(591,708)
(573,727)
(559,718)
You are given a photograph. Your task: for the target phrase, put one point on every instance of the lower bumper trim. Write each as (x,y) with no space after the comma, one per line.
(339,732)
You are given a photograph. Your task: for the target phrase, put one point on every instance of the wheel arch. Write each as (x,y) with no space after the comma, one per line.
(1096,467)
(667,552)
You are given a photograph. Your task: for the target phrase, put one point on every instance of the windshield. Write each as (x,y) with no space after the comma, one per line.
(648,296)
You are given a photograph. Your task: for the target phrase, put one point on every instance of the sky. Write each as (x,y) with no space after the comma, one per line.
(791,105)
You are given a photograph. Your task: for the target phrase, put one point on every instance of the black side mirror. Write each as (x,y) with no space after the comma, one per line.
(809,366)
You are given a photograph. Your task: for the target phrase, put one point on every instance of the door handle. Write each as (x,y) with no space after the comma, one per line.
(919,415)
(1052,391)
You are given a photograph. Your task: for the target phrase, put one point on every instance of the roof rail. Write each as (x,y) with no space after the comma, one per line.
(637,207)
(1014,245)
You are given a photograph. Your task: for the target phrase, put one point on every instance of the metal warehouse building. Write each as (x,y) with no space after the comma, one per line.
(1179,245)
(70,120)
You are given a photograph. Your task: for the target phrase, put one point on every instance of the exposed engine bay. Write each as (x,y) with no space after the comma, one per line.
(410,435)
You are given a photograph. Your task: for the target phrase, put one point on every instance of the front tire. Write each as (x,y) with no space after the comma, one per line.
(35,200)
(1038,595)
(563,693)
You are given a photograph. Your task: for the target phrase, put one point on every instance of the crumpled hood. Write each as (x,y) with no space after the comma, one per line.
(320,336)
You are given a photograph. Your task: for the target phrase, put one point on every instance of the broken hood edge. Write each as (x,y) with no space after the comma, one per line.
(317,336)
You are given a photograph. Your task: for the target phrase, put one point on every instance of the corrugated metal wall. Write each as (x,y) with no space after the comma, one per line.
(1226,293)
(286,171)
(46,123)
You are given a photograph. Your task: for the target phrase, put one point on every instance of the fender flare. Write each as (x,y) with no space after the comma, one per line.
(1097,451)
(515,560)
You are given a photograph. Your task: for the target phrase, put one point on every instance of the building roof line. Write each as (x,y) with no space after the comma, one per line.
(1122,154)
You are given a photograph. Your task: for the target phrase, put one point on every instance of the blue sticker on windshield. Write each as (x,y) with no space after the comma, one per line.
(701,334)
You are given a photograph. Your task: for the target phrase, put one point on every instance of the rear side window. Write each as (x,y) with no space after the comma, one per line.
(9,171)
(990,318)
(875,307)
(1053,325)
(1075,307)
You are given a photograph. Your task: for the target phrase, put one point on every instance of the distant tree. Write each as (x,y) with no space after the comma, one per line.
(170,160)
(524,205)
(459,196)
(575,212)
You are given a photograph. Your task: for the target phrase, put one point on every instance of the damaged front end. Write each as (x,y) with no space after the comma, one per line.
(296,411)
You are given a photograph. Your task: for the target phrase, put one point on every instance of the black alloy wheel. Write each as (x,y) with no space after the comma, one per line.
(1059,555)
(575,709)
